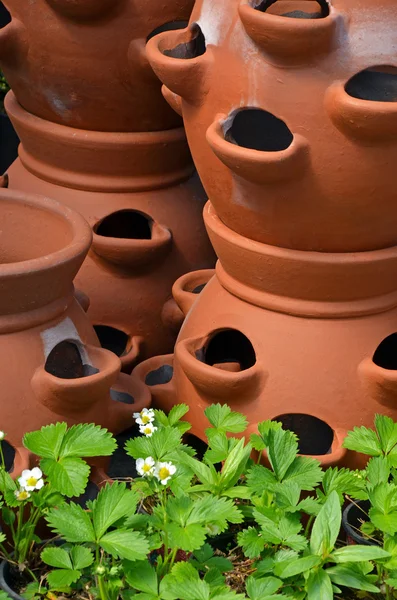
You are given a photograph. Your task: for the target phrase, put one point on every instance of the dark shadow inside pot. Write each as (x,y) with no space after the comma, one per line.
(295,9)
(170,26)
(353,517)
(121,397)
(376,84)
(385,356)
(257,129)
(125,224)
(228,349)
(122,465)
(160,376)
(65,362)
(199,288)
(90,493)
(197,444)
(315,437)
(9,455)
(194,48)
(112,339)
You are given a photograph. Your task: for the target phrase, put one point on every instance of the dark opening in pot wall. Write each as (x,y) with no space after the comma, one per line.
(385,356)
(9,455)
(126,224)
(192,49)
(65,362)
(295,9)
(315,437)
(228,349)
(376,84)
(112,339)
(160,376)
(170,26)
(257,129)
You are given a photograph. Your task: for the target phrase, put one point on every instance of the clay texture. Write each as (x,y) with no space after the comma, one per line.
(82,62)
(52,367)
(139,193)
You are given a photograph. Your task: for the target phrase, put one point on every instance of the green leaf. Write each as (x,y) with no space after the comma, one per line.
(57,557)
(184,583)
(251,541)
(130,545)
(224,419)
(47,441)
(291,568)
(235,463)
(306,472)
(378,470)
(113,503)
(238,491)
(359,553)
(206,474)
(186,537)
(82,557)
(218,446)
(71,522)
(139,447)
(282,449)
(209,509)
(260,479)
(319,586)
(387,432)
(69,476)
(87,439)
(141,576)
(257,442)
(344,481)
(176,413)
(385,522)
(326,526)
(62,578)
(363,440)
(264,586)
(352,577)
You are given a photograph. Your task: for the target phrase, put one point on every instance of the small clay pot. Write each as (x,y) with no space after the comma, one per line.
(352,517)
(5,580)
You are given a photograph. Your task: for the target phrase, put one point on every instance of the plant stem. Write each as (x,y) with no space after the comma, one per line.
(102,588)
(3,462)
(309,524)
(173,557)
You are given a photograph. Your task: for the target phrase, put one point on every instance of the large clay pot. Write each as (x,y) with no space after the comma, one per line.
(52,368)
(290,109)
(307,338)
(82,62)
(139,193)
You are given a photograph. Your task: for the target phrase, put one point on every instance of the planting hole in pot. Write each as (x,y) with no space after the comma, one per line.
(295,9)
(197,444)
(64,361)
(377,84)
(257,129)
(229,350)
(5,16)
(160,376)
(170,26)
(199,288)
(9,455)
(121,397)
(112,339)
(125,224)
(315,437)
(192,49)
(385,356)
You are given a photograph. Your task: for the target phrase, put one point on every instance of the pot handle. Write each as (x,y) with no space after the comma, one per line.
(186,289)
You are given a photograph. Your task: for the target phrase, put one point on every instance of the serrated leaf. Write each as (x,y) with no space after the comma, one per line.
(269,528)
(184,583)
(186,537)
(319,586)
(291,568)
(86,439)
(264,586)
(139,447)
(47,441)
(69,476)
(326,526)
(260,479)
(224,419)
(62,578)
(363,440)
(265,427)
(82,557)
(306,472)
(218,446)
(387,432)
(176,413)
(257,442)
(112,504)
(216,510)
(358,553)
(206,474)
(251,541)
(57,557)
(235,463)
(282,449)
(130,545)
(351,577)
(238,491)
(385,522)
(71,522)
(378,470)
(141,576)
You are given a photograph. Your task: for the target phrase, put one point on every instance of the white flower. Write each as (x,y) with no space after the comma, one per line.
(148,429)
(21,495)
(2,436)
(145,416)
(163,471)
(145,466)
(31,480)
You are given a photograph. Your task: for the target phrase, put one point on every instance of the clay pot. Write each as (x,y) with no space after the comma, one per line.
(139,193)
(282,334)
(82,62)
(52,367)
(290,109)
(352,518)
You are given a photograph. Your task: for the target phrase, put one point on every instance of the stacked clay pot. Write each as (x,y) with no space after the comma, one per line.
(52,366)
(290,109)
(97,135)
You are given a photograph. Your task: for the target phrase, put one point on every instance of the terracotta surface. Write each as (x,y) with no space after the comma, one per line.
(82,62)
(295,145)
(52,368)
(283,332)
(137,254)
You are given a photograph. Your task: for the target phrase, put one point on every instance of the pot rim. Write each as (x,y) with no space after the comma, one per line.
(359,539)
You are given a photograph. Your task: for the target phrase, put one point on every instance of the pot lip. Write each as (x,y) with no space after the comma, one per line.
(349,529)
(78,245)
(4,566)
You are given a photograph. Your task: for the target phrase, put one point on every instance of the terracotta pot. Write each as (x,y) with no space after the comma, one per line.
(292,122)
(282,334)
(82,63)
(52,366)
(353,516)
(139,193)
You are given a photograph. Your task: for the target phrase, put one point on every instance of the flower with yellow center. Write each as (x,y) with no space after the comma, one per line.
(31,479)
(21,495)
(164,471)
(145,417)
(145,467)
(148,429)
